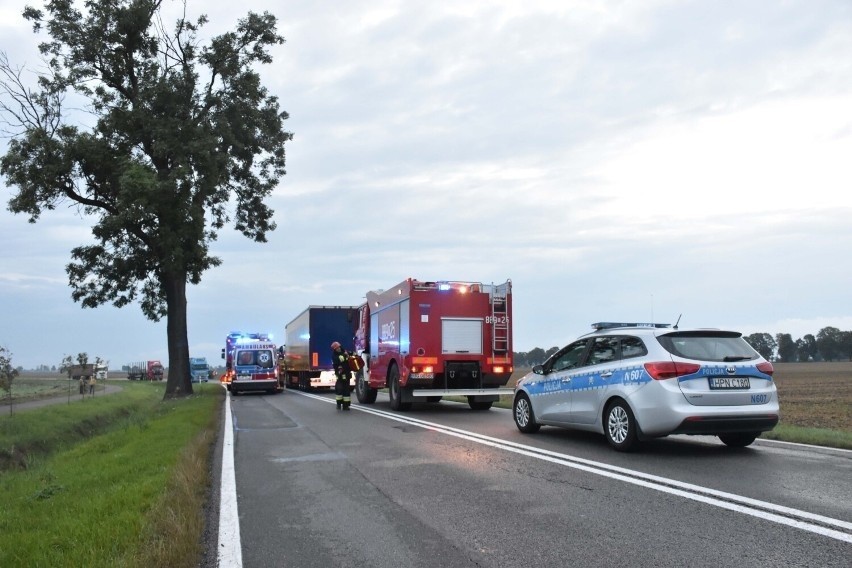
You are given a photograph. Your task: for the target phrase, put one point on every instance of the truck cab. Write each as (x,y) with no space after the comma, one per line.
(199,370)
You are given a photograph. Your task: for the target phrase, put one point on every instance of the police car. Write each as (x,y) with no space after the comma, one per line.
(635,381)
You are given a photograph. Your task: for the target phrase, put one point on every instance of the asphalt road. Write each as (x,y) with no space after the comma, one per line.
(442,485)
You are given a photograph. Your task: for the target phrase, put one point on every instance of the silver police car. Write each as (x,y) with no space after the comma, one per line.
(635,381)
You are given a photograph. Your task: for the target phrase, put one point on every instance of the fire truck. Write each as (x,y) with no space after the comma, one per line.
(306,356)
(250,363)
(427,340)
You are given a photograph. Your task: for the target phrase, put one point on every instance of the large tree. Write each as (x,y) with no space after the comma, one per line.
(763,343)
(828,342)
(786,347)
(184,140)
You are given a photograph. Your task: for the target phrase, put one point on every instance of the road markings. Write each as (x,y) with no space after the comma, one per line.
(230,548)
(803,520)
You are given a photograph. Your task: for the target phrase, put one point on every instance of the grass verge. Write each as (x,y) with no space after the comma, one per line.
(813,436)
(125,488)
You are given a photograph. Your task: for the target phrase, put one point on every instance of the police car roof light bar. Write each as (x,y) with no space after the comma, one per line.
(613,325)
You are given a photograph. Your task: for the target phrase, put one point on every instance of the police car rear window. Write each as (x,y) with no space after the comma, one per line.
(717,346)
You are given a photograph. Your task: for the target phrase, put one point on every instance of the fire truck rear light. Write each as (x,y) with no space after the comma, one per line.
(498,369)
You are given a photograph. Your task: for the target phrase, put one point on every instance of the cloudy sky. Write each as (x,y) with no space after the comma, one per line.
(617,160)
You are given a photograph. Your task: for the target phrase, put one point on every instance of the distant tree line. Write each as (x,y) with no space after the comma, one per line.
(829,344)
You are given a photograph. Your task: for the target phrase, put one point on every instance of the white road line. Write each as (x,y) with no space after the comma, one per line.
(745,505)
(230,547)
(782,442)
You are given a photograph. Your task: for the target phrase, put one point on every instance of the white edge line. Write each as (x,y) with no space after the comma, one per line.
(665,485)
(828,448)
(230,549)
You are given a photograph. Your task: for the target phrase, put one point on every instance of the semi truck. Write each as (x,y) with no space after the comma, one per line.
(199,370)
(426,340)
(151,370)
(250,363)
(306,355)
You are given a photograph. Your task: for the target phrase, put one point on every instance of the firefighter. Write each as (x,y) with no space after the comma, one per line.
(340,359)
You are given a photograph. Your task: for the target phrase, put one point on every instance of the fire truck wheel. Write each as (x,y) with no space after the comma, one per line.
(395,391)
(434,398)
(365,394)
(478,404)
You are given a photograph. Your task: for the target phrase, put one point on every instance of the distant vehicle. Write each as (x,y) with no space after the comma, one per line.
(426,340)
(145,371)
(77,372)
(250,363)
(305,360)
(199,369)
(634,381)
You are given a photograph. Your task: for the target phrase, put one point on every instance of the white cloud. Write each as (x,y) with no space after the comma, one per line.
(617,160)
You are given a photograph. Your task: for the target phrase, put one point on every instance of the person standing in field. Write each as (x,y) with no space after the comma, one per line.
(340,360)
(92,382)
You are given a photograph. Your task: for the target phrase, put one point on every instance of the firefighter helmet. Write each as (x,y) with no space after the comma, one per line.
(335,345)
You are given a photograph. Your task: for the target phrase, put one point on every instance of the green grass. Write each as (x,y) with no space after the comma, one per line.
(26,388)
(813,436)
(121,483)
(27,435)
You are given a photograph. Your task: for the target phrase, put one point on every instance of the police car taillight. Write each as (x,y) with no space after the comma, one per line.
(669,369)
(766,368)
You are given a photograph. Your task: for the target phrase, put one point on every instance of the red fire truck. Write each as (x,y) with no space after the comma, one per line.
(426,340)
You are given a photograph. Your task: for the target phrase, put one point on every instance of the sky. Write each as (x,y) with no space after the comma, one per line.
(647,160)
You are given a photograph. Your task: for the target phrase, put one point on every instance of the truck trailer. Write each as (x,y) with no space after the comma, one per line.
(427,340)
(151,370)
(306,362)
(77,372)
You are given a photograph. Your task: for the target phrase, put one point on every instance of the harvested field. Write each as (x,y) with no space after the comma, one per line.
(815,395)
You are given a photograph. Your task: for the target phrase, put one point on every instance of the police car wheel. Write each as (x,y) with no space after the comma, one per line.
(620,426)
(739,439)
(524,416)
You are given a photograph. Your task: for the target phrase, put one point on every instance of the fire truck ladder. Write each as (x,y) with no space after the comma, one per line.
(500,318)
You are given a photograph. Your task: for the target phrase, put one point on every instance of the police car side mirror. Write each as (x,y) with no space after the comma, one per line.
(538,369)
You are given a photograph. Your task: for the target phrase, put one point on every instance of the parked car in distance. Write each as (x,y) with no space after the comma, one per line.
(636,381)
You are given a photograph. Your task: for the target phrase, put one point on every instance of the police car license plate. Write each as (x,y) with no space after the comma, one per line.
(729,383)
(243,377)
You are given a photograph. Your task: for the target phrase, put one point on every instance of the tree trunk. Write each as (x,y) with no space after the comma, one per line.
(179,382)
